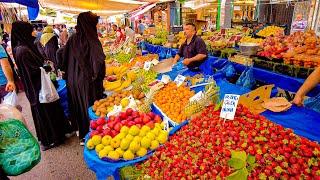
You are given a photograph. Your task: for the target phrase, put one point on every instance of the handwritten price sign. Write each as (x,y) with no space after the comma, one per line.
(229,107)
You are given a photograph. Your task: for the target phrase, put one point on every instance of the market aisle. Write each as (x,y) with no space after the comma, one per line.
(63,162)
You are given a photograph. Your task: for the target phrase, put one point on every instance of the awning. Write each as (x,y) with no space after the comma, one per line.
(102,8)
(144,10)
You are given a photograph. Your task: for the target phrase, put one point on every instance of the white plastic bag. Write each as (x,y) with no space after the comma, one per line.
(48,92)
(11,99)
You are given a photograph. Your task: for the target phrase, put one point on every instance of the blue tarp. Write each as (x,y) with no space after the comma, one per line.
(63,93)
(303,121)
(33,6)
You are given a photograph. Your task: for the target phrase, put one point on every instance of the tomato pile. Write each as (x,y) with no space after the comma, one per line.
(202,149)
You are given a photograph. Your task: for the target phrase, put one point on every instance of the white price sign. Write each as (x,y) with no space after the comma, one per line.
(147,66)
(196,97)
(179,80)
(165,79)
(229,106)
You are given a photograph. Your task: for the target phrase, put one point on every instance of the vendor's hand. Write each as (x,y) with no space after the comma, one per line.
(10,87)
(186,61)
(298,100)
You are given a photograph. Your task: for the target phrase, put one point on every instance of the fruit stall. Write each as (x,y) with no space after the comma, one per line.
(162,124)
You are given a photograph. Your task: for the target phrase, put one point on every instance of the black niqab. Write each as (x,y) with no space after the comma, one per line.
(49,120)
(84,67)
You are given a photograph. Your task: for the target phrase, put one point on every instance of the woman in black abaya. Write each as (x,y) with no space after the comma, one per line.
(84,67)
(49,119)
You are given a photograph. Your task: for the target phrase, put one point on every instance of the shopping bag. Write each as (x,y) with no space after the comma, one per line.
(228,70)
(48,92)
(313,103)
(11,99)
(19,150)
(246,79)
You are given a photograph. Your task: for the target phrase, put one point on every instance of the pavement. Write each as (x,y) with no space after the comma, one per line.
(61,163)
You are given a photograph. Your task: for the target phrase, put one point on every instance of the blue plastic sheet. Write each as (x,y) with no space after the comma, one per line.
(32,5)
(304,122)
(63,93)
(313,103)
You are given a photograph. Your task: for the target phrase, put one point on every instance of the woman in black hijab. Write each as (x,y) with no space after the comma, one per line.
(84,67)
(49,119)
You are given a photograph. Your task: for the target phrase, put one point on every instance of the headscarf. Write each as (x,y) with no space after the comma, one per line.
(88,45)
(21,34)
(46,35)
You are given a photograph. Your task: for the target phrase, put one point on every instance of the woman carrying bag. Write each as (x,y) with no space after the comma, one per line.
(50,123)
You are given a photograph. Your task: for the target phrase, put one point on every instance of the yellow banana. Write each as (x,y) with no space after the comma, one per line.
(122,69)
(109,86)
(124,84)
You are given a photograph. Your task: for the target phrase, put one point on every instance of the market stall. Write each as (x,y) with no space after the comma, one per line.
(213,68)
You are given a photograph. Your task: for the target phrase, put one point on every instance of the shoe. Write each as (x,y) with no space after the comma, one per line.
(69,135)
(82,142)
(44,148)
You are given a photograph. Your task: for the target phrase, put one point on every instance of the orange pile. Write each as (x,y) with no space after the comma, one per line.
(172,101)
(140,60)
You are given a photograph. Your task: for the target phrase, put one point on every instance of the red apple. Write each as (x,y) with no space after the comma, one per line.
(100,129)
(106,132)
(135,114)
(111,118)
(123,115)
(93,125)
(113,133)
(117,119)
(131,123)
(157,119)
(138,120)
(146,119)
(101,121)
(150,124)
(111,124)
(151,115)
(129,111)
(130,118)
(94,133)
(117,127)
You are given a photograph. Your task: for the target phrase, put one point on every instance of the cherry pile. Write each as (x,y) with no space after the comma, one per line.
(203,148)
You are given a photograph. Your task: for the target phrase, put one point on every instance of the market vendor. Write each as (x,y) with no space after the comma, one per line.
(194,49)
(311,82)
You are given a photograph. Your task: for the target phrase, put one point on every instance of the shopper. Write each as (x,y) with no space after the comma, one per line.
(84,67)
(6,74)
(193,50)
(49,45)
(311,82)
(120,37)
(49,119)
(141,27)
(64,36)
(38,34)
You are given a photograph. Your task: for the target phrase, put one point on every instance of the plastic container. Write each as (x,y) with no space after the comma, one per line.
(249,49)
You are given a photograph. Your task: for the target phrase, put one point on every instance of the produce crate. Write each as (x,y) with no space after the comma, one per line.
(284,69)
(263,64)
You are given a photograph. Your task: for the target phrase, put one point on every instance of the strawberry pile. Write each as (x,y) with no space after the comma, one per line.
(202,149)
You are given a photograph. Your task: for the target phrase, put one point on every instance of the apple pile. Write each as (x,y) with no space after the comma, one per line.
(113,125)
(203,150)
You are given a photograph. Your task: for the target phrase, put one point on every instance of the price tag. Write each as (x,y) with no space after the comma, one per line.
(179,80)
(166,123)
(147,66)
(165,79)
(155,62)
(196,97)
(229,106)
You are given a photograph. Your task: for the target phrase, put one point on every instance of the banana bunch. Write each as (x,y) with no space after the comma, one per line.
(123,79)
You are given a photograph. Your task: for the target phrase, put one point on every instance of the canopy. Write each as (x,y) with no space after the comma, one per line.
(102,8)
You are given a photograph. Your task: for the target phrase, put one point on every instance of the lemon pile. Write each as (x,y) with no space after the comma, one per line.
(129,143)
